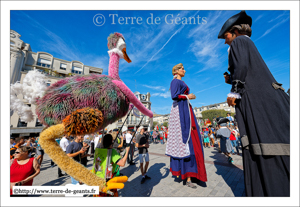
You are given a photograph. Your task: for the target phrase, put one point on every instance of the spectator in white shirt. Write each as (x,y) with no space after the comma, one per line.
(64,143)
(131,150)
(97,141)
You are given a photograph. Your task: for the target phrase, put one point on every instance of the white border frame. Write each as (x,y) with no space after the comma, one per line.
(293,6)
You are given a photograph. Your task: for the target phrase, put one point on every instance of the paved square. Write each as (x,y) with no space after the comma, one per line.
(224,179)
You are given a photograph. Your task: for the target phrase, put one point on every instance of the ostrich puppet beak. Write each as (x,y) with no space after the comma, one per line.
(125,55)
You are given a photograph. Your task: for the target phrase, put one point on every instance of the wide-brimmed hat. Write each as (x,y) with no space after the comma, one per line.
(240,18)
(223,121)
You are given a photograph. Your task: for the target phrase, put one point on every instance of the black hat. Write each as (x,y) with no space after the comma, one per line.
(240,18)
(223,121)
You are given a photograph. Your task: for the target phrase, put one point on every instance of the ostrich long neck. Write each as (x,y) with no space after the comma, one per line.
(113,68)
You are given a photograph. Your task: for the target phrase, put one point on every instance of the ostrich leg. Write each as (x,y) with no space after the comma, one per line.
(67,164)
(82,121)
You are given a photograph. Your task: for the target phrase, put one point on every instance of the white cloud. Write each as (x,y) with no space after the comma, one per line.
(162,109)
(284,13)
(166,94)
(68,51)
(150,49)
(208,88)
(259,17)
(215,20)
(276,25)
(54,43)
(206,47)
(161,48)
(160,88)
(207,52)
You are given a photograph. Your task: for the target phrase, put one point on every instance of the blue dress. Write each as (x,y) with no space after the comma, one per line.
(184,144)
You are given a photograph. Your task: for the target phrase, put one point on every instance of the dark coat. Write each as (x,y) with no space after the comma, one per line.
(263,117)
(263,112)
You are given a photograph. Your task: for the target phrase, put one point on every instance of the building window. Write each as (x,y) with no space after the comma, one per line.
(21,123)
(63,66)
(76,70)
(44,63)
(120,121)
(38,123)
(93,72)
(12,44)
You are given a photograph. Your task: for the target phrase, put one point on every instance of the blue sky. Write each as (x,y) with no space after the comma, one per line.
(155,48)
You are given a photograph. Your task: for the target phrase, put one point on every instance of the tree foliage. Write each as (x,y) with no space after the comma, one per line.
(165,124)
(214,113)
(154,124)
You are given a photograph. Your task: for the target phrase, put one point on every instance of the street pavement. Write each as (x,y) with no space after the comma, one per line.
(224,179)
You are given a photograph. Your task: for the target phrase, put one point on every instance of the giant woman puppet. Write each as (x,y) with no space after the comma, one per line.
(184,144)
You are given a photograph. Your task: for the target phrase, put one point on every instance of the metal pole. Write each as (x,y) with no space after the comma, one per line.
(136,130)
(134,135)
(122,125)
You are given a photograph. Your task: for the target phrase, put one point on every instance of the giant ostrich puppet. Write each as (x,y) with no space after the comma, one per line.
(84,104)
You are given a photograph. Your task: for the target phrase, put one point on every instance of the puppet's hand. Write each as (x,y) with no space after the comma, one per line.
(231,101)
(115,183)
(191,96)
(227,78)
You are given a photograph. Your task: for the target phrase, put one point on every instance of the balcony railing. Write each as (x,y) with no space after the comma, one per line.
(43,65)
(51,73)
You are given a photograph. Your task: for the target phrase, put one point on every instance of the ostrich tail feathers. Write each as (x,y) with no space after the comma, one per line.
(33,86)
(23,110)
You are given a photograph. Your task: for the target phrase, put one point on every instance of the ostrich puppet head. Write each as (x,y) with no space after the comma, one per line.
(116,43)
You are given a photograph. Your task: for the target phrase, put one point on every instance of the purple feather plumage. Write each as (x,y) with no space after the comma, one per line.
(77,92)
